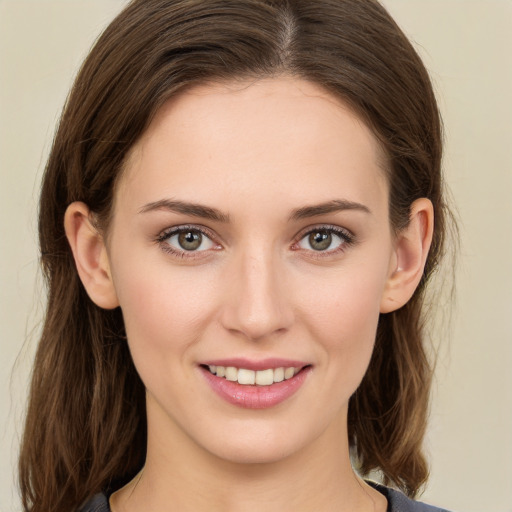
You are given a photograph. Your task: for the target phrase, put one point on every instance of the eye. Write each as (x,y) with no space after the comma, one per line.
(184,239)
(325,239)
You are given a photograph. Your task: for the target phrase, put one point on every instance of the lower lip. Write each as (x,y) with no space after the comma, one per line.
(255,397)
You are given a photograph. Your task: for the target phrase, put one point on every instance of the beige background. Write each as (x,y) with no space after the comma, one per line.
(467,46)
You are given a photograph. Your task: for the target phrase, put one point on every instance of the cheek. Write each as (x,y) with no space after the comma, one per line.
(164,313)
(348,301)
(343,314)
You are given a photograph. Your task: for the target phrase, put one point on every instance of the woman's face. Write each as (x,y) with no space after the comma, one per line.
(251,232)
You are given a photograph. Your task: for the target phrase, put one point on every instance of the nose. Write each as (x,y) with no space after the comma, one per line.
(258,305)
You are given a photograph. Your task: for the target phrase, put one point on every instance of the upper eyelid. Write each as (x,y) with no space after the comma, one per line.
(168,232)
(327,227)
(208,231)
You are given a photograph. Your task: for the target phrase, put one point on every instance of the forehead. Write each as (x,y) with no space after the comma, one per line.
(255,138)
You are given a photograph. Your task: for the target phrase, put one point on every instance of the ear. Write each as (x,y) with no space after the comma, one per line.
(410,254)
(90,255)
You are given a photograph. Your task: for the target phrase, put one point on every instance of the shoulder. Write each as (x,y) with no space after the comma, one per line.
(398,502)
(98,503)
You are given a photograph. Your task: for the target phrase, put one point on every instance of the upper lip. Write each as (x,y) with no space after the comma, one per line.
(251,364)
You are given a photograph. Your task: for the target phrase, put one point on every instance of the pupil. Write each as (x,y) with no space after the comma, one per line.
(190,240)
(320,240)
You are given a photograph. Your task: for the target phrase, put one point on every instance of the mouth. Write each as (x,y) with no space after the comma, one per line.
(247,377)
(264,385)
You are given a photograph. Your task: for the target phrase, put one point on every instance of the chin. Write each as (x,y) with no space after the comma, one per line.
(258,453)
(261,444)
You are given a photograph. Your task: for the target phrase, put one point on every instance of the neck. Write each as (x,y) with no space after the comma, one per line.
(180,475)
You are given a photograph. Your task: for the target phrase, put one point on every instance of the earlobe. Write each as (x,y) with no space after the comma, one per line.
(411,251)
(90,254)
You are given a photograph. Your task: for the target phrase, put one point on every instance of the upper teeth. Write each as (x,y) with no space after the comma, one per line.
(259,377)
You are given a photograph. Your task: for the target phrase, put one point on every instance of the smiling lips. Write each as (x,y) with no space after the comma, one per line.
(260,386)
(254,377)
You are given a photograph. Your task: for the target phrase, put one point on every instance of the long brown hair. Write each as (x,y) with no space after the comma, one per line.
(86,427)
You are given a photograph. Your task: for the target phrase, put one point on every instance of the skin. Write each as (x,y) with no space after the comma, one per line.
(257,152)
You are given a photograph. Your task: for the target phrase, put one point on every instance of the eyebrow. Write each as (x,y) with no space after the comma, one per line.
(193,209)
(333,206)
(207,212)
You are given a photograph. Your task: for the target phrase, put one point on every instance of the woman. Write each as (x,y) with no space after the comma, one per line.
(241,210)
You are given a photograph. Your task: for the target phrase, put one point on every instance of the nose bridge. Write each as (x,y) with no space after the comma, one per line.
(258,304)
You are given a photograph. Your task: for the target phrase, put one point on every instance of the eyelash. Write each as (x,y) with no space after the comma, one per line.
(347,239)
(168,233)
